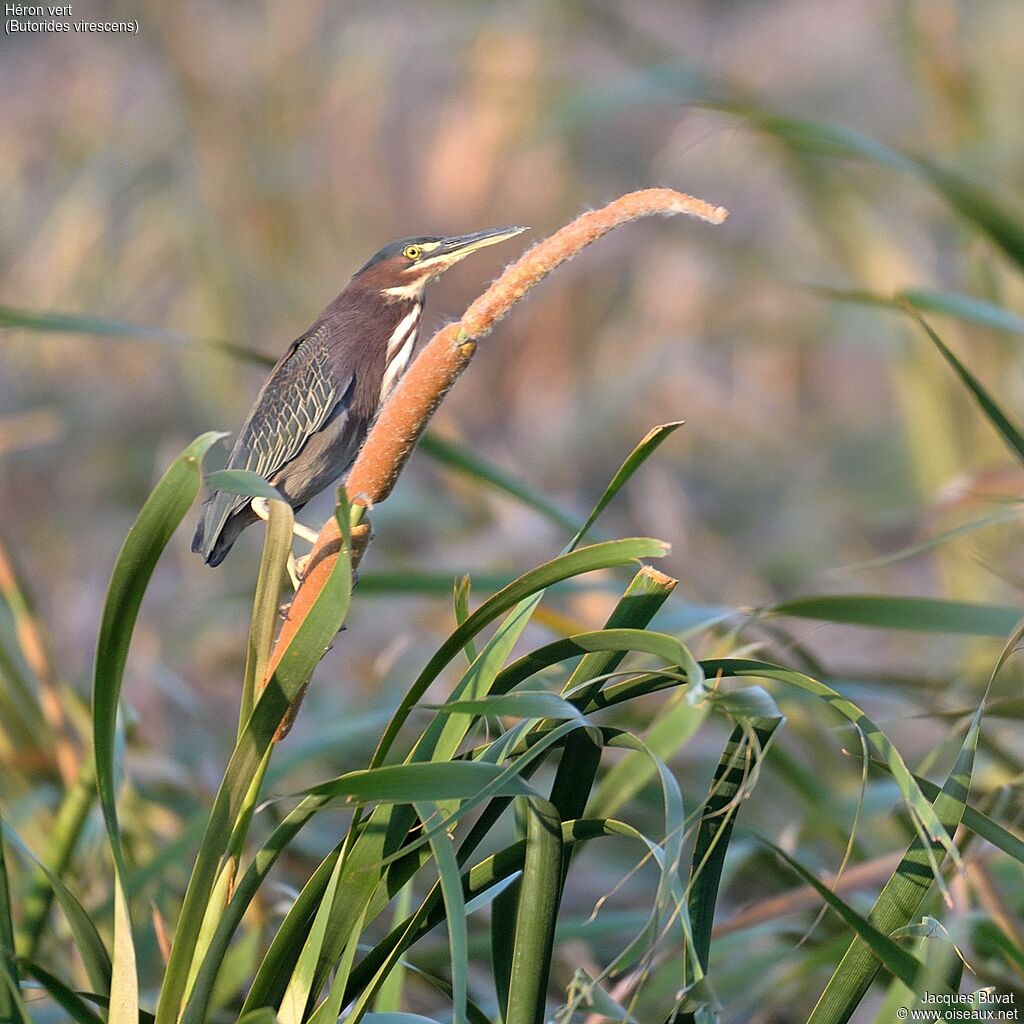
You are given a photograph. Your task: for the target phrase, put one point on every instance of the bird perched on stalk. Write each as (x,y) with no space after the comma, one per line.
(315,409)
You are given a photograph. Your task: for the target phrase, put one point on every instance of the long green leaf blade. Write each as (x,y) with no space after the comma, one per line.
(921,614)
(604,555)
(409,783)
(88,943)
(159,518)
(988,405)
(63,995)
(463,460)
(896,960)
(87,323)
(362,896)
(307,647)
(7,963)
(900,899)
(537,913)
(717,820)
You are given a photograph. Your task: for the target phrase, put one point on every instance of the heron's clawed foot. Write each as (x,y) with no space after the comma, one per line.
(297,569)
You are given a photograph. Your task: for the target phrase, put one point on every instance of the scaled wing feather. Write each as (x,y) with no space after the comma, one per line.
(297,400)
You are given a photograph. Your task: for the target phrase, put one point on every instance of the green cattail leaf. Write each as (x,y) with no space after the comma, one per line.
(88,943)
(648,445)
(1005,515)
(753,705)
(86,323)
(15,1008)
(733,776)
(450,880)
(293,1006)
(246,889)
(643,598)
(83,323)
(604,555)
(407,783)
(963,307)
(613,641)
(159,518)
(520,704)
(926,822)
(243,482)
(1011,436)
(277,546)
(536,915)
(997,219)
(265,1015)
(69,822)
(482,877)
(969,199)
(361,894)
(391,995)
(926,300)
(63,995)
(397,1018)
(7,963)
(921,614)
(669,903)
(304,652)
(822,137)
(460,599)
(460,458)
(330,1009)
(671,728)
(980,824)
(896,960)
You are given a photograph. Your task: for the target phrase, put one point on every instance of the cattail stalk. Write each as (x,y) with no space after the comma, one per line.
(441,362)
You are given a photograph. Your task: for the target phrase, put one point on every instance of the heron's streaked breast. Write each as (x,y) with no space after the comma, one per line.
(399,351)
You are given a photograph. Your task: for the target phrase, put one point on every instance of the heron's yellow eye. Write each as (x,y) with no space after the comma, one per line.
(412,252)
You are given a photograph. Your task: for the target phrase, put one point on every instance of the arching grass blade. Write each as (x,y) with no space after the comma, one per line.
(899,901)
(463,460)
(159,518)
(63,995)
(1007,431)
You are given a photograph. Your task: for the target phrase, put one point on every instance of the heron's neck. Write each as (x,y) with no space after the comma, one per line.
(400,345)
(411,292)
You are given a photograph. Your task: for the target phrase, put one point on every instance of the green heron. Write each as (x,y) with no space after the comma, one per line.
(315,409)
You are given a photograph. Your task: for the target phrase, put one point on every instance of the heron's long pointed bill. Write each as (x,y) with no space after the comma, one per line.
(453,249)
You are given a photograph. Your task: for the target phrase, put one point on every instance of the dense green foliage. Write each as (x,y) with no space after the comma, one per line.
(482,756)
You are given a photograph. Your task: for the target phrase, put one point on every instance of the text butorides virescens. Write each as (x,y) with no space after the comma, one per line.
(315,409)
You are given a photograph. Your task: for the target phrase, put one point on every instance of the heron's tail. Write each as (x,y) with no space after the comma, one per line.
(224,517)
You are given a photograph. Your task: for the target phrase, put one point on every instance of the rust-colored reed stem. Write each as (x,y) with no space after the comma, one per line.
(440,364)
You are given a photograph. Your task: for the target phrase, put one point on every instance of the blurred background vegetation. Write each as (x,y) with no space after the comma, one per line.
(218,177)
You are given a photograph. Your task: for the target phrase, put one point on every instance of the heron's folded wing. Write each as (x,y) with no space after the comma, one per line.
(298,398)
